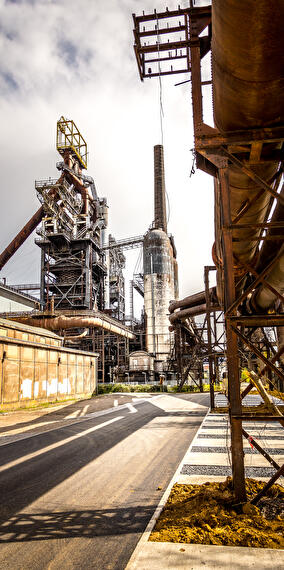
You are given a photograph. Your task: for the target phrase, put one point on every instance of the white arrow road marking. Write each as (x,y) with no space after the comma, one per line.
(58,444)
(131,409)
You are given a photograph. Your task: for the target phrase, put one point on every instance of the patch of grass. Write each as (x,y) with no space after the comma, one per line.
(109,388)
(112,388)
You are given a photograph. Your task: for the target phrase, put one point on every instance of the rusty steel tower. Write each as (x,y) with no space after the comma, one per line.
(72,229)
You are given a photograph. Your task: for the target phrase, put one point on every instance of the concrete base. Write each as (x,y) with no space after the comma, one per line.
(171,556)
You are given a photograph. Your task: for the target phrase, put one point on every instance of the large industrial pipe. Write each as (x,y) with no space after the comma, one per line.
(263,297)
(79,185)
(25,232)
(272,244)
(248,92)
(63,322)
(21,237)
(191,300)
(191,312)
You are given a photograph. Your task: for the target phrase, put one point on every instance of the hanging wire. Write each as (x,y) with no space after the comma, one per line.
(160,86)
(161,106)
(193,163)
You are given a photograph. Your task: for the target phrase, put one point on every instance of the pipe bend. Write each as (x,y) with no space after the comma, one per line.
(63,322)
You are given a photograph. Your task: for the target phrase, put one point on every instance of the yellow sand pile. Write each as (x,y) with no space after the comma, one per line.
(207,514)
(276,394)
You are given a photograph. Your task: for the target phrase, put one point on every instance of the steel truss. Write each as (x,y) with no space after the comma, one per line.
(214,152)
(114,355)
(199,341)
(71,277)
(216,338)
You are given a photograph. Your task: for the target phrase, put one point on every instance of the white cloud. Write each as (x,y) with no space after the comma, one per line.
(76,59)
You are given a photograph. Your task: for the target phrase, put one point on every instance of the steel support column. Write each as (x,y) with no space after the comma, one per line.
(209,337)
(232,341)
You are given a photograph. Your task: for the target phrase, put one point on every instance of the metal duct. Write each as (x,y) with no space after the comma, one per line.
(192,300)
(191,312)
(264,297)
(64,322)
(248,92)
(267,252)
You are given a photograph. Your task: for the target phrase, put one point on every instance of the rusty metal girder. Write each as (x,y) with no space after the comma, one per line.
(21,237)
(260,450)
(258,352)
(160,29)
(257,179)
(216,139)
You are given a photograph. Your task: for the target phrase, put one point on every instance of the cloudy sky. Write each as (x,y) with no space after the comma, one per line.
(64,57)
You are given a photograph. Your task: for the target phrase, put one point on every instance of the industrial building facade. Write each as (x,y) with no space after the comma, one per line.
(34,365)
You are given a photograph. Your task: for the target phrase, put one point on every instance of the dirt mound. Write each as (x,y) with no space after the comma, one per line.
(207,514)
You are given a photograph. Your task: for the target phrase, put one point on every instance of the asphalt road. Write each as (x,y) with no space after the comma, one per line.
(81,495)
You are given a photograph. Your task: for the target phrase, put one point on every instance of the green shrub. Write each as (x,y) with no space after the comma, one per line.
(245,375)
(104,388)
(111,388)
(120,388)
(186,388)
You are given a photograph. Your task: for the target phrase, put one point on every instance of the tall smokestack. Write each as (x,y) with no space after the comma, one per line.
(159,185)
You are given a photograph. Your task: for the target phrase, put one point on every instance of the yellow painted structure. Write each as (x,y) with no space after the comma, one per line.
(34,366)
(69,138)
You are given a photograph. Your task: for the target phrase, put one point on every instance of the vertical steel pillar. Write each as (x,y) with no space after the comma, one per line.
(87,271)
(209,337)
(42,278)
(196,89)
(117,348)
(103,354)
(200,375)
(131,299)
(232,341)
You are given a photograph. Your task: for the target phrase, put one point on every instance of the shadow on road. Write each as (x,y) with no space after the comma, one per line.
(71,524)
(62,413)
(24,483)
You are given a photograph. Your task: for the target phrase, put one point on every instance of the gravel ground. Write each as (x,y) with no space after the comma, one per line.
(251,425)
(201,449)
(220,436)
(251,400)
(221,470)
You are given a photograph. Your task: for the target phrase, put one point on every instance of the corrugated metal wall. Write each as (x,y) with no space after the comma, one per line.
(31,369)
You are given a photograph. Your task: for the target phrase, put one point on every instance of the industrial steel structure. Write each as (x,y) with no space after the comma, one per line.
(160,273)
(82,284)
(198,325)
(244,154)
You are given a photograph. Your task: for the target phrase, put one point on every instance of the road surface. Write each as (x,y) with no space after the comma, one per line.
(79,496)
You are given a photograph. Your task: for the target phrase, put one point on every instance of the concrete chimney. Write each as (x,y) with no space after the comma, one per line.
(159,188)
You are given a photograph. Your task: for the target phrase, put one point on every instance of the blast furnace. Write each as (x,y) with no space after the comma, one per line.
(160,272)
